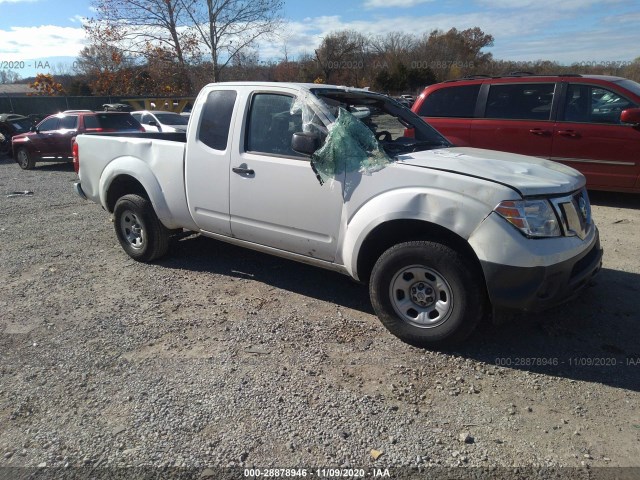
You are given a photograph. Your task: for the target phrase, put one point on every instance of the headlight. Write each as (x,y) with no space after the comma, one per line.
(534,218)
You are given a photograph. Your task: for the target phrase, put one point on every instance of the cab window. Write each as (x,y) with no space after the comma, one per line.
(271,125)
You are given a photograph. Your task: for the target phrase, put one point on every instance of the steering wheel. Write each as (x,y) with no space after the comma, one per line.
(383,136)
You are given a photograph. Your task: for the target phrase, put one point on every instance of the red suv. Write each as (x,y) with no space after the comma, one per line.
(589,122)
(52,139)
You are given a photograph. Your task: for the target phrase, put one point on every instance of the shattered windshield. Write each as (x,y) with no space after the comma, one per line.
(396,128)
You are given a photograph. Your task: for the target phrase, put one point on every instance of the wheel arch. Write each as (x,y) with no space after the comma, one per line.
(126,175)
(393,232)
(123,185)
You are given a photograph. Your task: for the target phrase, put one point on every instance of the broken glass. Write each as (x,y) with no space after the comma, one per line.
(350,146)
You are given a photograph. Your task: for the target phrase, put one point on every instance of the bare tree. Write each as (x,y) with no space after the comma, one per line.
(228,27)
(394,46)
(8,76)
(147,28)
(342,56)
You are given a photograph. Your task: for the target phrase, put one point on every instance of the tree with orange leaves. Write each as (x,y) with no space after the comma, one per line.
(45,85)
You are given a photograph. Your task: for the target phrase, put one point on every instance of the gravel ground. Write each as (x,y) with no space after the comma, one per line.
(218,357)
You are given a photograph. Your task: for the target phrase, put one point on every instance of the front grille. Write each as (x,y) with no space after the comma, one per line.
(575,213)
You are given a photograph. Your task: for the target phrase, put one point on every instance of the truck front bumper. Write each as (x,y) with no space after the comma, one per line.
(535,274)
(538,288)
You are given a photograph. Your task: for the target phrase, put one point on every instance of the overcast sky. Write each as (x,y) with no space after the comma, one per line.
(566,31)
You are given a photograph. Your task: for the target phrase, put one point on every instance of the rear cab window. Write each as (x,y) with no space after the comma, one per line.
(215,121)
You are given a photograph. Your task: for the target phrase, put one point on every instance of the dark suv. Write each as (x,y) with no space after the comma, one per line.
(589,122)
(11,125)
(52,139)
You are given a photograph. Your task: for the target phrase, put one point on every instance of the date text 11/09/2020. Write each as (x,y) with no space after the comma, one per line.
(317,472)
(571,361)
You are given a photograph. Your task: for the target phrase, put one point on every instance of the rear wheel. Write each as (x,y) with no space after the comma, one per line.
(138,229)
(25,159)
(427,294)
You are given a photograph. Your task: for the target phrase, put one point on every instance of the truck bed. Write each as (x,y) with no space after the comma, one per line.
(155,160)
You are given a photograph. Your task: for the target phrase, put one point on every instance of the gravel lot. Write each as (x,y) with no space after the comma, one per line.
(217,356)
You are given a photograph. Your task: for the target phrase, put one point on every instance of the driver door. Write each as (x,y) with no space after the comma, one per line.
(275,198)
(43,140)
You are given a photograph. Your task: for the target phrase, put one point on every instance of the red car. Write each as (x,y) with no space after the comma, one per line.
(52,139)
(589,122)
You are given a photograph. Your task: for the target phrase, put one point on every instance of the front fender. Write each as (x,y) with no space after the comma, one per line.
(460,213)
(17,142)
(140,171)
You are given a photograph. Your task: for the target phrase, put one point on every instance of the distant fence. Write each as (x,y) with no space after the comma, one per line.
(49,105)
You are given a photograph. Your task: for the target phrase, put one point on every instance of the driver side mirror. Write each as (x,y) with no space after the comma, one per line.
(631,115)
(153,123)
(305,143)
(33,129)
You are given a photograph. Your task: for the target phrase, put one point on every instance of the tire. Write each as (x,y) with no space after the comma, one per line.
(427,294)
(138,229)
(25,159)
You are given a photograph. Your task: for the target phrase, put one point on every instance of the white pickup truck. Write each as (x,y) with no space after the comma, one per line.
(350,180)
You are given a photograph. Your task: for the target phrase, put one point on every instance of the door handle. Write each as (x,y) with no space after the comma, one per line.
(540,131)
(568,133)
(243,170)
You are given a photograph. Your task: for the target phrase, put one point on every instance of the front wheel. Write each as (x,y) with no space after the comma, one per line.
(427,294)
(138,229)
(25,159)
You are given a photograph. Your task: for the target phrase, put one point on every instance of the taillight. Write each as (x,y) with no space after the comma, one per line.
(93,130)
(76,157)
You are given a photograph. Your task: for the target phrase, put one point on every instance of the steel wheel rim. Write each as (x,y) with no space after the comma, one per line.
(421,296)
(132,229)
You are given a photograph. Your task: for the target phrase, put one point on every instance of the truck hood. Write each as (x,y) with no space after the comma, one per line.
(529,175)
